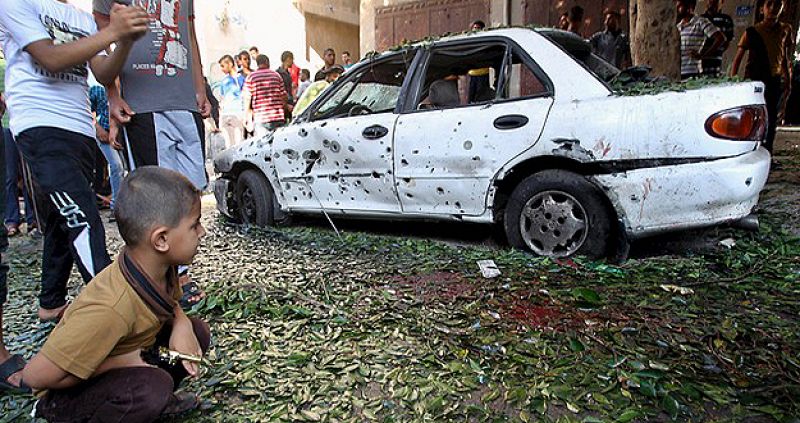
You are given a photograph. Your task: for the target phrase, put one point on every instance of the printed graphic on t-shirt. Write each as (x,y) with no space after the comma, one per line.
(170,54)
(63,33)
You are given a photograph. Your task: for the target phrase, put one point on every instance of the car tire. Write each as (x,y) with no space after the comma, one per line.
(558,213)
(255,199)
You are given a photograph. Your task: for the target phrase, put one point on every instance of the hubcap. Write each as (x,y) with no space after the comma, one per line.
(247,204)
(554,224)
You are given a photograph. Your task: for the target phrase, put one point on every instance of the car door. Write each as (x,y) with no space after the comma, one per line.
(340,156)
(449,150)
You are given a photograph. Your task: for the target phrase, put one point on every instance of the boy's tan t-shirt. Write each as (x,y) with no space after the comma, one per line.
(107,319)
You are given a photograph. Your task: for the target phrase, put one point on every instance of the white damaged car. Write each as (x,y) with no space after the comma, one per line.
(515,127)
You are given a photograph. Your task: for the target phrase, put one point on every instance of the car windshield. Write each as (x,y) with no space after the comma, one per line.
(581,50)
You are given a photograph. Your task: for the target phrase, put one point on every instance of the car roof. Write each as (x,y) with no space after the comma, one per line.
(564,38)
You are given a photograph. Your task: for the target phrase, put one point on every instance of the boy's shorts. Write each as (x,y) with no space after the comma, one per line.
(174,140)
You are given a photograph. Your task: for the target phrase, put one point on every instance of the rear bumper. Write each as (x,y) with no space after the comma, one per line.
(669,198)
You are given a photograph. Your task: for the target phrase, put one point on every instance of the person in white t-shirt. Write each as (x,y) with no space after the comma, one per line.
(49,46)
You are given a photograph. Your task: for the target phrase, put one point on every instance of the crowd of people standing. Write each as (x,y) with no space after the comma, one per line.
(255,98)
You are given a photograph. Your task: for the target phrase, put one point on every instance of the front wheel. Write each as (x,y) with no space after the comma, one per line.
(558,213)
(255,199)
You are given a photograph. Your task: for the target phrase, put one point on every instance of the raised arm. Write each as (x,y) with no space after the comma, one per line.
(127,23)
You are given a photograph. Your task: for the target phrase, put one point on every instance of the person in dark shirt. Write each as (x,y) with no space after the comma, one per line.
(576,20)
(329,57)
(712,65)
(214,102)
(612,44)
(769,46)
(284,70)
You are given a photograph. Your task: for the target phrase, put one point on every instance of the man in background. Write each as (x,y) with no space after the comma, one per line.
(329,57)
(576,20)
(769,45)
(347,61)
(612,44)
(265,98)
(699,38)
(712,65)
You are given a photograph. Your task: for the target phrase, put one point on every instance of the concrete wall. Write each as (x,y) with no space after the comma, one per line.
(322,33)
(500,13)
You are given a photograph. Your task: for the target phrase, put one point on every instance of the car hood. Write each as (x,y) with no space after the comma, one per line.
(254,150)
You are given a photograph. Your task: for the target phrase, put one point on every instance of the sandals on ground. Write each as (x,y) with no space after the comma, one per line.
(192,294)
(11,366)
(12,229)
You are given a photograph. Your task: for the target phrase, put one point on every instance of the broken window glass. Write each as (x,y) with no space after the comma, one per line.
(376,89)
(477,74)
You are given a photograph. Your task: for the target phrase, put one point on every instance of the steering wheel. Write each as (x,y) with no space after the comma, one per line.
(359,109)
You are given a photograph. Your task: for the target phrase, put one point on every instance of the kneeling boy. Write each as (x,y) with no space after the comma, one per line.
(92,364)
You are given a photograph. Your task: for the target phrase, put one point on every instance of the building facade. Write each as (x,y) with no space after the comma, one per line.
(304,27)
(388,22)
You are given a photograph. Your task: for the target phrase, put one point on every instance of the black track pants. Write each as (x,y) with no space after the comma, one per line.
(62,165)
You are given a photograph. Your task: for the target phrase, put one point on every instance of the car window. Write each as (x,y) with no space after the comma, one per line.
(581,51)
(475,74)
(375,89)
(522,81)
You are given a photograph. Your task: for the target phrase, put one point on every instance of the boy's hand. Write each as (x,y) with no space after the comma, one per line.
(119,113)
(102,134)
(128,22)
(203,104)
(183,340)
(113,135)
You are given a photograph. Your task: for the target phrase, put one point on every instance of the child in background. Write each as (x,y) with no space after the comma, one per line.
(305,81)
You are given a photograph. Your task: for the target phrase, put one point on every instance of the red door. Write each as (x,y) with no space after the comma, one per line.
(414,21)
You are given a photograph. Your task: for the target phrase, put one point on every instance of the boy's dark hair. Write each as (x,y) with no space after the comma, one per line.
(305,72)
(576,14)
(227,58)
(689,3)
(346,52)
(152,196)
(254,48)
(262,60)
(479,23)
(328,50)
(285,55)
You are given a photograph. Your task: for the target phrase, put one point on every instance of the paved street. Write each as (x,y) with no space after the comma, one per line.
(380,326)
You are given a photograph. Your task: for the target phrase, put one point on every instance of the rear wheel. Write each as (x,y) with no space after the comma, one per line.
(558,213)
(255,199)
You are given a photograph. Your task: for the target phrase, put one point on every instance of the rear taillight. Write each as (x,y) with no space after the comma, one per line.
(748,123)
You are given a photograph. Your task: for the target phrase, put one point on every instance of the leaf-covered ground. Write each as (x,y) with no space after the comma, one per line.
(309,327)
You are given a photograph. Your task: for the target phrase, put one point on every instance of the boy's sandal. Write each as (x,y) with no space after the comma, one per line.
(12,230)
(11,366)
(192,294)
(180,403)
